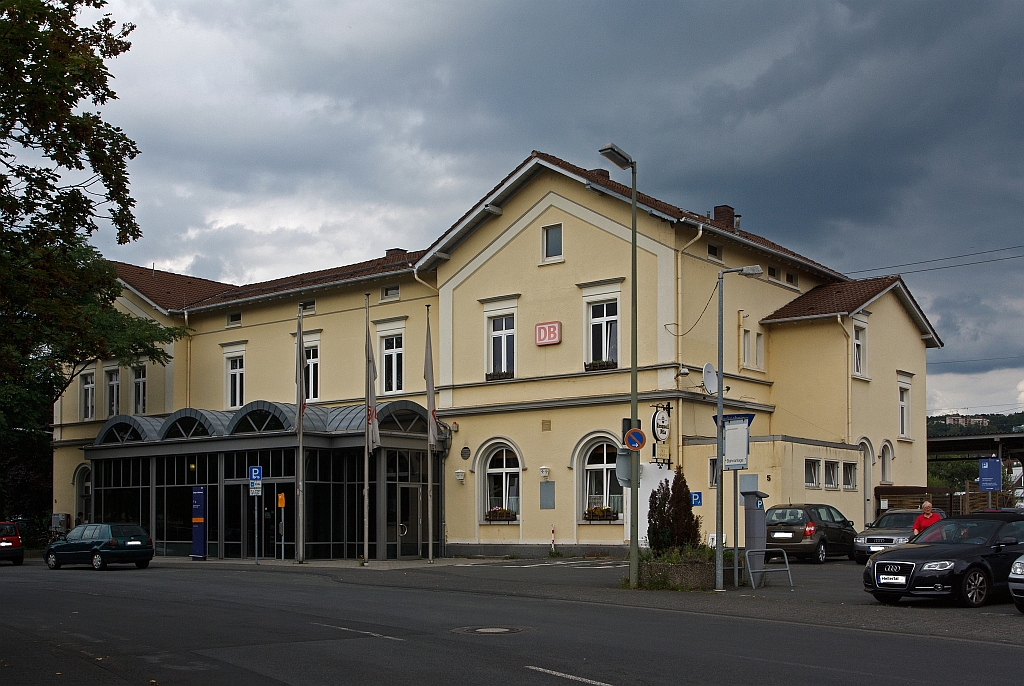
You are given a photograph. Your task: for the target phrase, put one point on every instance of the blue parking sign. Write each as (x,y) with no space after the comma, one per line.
(256,473)
(696,498)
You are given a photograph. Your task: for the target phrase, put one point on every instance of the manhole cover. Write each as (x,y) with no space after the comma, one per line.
(490,630)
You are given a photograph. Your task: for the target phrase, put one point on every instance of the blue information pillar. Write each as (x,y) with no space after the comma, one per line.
(990,474)
(198,523)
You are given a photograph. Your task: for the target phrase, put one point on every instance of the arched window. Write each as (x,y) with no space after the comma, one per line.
(602,488)
(886,463)
(186,427)
(503,481)
(121,433)
(258,421)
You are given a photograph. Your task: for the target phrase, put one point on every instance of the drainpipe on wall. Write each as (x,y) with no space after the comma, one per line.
(416,276)
(849,380)
(188,366)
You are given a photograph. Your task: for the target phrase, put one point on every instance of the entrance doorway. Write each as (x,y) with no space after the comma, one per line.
(410,521)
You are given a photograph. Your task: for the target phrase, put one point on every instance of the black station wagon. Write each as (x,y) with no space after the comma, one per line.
(100,545)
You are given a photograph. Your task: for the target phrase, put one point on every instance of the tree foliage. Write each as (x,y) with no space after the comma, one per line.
(63,175)
(63,170)
(670,519)
(659,525)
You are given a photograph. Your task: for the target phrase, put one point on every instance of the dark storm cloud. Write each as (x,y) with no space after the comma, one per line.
(281,137)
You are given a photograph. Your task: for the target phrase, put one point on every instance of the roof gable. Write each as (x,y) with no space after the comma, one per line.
(849,298)
(166,290)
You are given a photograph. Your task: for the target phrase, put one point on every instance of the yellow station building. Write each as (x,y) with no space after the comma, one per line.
(528,297)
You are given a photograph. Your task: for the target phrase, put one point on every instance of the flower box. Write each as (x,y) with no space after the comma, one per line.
(598,365)
(600,514)
(500,515)
(499,376)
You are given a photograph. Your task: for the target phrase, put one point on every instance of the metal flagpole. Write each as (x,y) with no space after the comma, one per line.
(300,455)
(428,377)
(719,582)
(366,444)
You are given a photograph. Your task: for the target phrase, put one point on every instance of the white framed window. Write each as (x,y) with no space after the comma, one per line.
(860,350)
(390,292)
(139,396)
(503,479)
(713,472)
(904,410)
(773,272)
(748,352)
(812,473)
(886,463)
(113,377)
(551,243)
(602,487)
(715,252)
(89,396)
(236,381)
(831,475)
(792,279)
(311,375)
(502,347)
(233,319)
(849,476)
(308,306)
(604,332)
(392,353)
(759,351)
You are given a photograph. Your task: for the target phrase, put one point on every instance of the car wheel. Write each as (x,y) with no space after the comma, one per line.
(860,559)
(142,564)
(819,553)
(1019,604)
(887,598)
(51,561)
(974,588)
(18,560)
(98,563)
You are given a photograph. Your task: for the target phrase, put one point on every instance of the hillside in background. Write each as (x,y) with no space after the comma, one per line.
(997,424)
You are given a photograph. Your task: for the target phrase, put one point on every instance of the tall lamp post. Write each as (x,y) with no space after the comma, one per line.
(749,271)
(621,159)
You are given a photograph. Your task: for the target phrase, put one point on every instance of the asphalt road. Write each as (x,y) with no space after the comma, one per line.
(550,622)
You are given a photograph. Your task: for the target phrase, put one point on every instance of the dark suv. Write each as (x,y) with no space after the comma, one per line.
(812,531)
(100,544)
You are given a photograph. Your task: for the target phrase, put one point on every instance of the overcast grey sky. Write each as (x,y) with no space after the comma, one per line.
(282,137)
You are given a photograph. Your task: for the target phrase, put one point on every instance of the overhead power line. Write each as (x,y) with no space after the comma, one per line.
(938,259)
(963,264)
(980,359)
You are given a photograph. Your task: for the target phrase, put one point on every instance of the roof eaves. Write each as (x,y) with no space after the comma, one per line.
(292,291)
(804,318)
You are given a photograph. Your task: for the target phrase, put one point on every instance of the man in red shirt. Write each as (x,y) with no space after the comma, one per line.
(926,519)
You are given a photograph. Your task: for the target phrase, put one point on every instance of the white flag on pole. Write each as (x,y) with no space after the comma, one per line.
(372,425)
(428,375)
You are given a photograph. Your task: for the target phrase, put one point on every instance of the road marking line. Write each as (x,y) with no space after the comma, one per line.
(357,631)
(567,676)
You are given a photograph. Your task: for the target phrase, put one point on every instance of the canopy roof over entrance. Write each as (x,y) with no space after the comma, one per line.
(978,444)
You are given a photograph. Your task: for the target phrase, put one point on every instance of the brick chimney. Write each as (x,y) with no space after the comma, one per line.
(395,252)
(725,215)
(603,173)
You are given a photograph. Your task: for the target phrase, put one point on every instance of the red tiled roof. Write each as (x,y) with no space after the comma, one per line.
(833,299)
(599,177)
(394,261)
(168,290)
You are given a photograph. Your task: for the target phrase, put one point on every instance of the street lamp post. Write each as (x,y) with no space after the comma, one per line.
(622,160)
(749,271)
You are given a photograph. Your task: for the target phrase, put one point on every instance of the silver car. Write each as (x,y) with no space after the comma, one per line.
(893,527)
(1016,580)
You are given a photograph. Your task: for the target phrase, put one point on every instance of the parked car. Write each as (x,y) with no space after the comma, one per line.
(10,543)
(100,545)
(1016,582)
(968,558)
(812,531)
(893,527)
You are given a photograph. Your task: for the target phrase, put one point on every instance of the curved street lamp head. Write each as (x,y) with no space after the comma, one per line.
(752,270)
(617,156)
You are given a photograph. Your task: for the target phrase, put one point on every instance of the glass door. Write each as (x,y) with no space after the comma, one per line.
(409,521)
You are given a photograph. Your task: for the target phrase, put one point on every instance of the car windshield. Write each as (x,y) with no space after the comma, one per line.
(786,515)
(126,530)
(8,530)
(896,520)
(972,531)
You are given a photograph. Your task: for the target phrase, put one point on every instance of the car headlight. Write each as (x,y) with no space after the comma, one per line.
(1017,568)
(860,539)
(900,541)
(941,566)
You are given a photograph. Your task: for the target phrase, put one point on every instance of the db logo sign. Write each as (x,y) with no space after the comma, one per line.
(548,333)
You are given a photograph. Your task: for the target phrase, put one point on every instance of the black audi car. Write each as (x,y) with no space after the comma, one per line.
(967,557)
